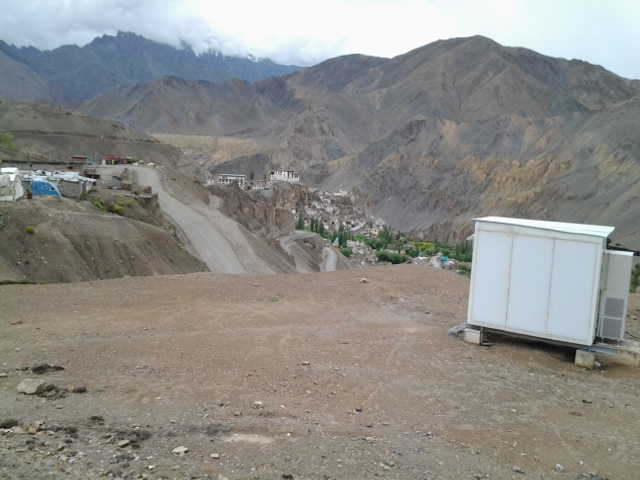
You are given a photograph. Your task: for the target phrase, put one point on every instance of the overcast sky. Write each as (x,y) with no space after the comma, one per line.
(604,32)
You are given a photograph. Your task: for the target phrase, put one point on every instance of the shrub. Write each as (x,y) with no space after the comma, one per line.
(99,204)
(394,258)
(30,230)
(117,209)
(346,251)
(635,279)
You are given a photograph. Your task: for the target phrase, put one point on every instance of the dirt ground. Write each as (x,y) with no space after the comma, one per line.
(355,380)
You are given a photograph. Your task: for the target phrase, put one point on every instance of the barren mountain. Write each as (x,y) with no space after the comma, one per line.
(70,73)
(53,134)
(429,139)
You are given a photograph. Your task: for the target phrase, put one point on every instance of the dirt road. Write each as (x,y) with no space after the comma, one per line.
(215,238)
(329,259)
(318,376)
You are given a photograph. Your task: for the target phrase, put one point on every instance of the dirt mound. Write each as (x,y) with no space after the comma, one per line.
(61,240)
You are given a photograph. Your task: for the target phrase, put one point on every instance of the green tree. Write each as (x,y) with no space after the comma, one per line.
(252,175)
(300,222)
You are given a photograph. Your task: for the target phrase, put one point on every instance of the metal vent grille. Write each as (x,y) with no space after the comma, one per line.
(614,307)
(612,328)
(613,320)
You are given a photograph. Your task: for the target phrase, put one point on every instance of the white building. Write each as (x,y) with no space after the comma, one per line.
(230,178)
(10,184)
(281,175)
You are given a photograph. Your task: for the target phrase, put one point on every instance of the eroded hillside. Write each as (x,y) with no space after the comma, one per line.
(429,139)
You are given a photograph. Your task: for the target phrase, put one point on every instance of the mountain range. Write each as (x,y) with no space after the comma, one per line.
(430,139)
(427,140)
(71,73)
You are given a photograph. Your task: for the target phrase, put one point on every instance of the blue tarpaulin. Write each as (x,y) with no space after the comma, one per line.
(42,187)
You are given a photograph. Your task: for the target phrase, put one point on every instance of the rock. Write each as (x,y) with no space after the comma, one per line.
(78,389)
(17,430)
(364,280)
(45,367)
(8,423)
(257,404)
(358,409)
(516,469)
(17,322)
(181,450)
(31,386)
(306,364)
(215,455)
(559,468)
(4,374)
(123,443)
(98,419)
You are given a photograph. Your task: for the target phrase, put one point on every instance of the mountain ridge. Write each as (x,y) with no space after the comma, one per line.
(73,73)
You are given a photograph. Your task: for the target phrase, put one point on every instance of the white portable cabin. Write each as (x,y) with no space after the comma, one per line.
(550,280)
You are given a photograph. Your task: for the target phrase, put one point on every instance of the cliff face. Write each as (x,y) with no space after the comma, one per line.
(429,139)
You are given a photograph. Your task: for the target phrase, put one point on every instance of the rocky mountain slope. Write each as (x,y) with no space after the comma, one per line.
(430,139)
(71,73)
(46,133)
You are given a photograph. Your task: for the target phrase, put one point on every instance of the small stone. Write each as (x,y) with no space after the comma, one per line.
(151,467)
(17,430)
(517,469)
(306,363)
(215,455)
(123,443)
(256,284)
(559,468)
(181,450)
(585,400)
(257,404)
(8,423)
(17,322)
(45,367)
(358,409)
(4,374)
(31,386)
(364,280)
(78,389)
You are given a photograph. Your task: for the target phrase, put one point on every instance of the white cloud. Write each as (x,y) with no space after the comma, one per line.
(306,32)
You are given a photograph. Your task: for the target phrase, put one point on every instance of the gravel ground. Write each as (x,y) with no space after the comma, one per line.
(319,376)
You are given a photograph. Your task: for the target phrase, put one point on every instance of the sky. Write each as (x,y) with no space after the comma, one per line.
(306,32)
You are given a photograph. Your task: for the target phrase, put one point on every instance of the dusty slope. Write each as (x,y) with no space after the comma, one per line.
(53,134)
(431,138)
(74,241)
(180,360)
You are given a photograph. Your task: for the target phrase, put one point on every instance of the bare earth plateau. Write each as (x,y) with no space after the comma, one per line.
(320,376)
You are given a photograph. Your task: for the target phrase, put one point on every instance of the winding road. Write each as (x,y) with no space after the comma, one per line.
(204,228)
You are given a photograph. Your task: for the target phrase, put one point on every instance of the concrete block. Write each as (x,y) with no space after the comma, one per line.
(628,353)
(585,359)
(471,335)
